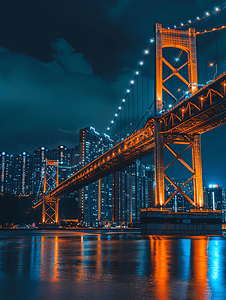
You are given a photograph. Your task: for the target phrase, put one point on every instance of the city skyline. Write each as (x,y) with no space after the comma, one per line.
(208,180)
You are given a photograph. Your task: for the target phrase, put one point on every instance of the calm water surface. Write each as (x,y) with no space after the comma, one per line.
(64,265)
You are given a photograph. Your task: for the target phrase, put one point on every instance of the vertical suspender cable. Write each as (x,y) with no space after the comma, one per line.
(147,86)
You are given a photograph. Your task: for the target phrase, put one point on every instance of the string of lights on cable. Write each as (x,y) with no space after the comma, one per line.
(188,23)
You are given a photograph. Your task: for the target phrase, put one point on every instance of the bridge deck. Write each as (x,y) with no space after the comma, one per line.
(204,110)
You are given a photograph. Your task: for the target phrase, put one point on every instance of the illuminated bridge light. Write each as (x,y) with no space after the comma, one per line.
(128,91)
(213,186)
(146,51)
(116,115)
(217,9)
(132,81)
(197,18)
(207,14)
(152,40)
(108,128)
(119,108)
(123,100)
(112,122)
(137,73)
(141,63)
(189,21)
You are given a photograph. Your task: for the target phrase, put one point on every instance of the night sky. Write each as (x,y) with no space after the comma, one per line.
(65,65)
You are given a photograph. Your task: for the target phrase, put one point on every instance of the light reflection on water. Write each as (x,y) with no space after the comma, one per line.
(70,265)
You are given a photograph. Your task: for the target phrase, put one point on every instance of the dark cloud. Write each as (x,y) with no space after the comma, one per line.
(70,61)
(40,100)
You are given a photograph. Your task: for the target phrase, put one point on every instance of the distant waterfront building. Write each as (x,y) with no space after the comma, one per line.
(39,158)
(75,159)
(132,190)
(63,156)
(22,174)
(178,202)
(92,145)
(214,197)
(118,196)
(6,165)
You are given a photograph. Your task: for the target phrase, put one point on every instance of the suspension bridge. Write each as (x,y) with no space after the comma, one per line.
(177,110)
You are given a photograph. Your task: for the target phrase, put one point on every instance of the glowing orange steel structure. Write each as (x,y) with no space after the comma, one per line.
(184,123)
(186,41)
(50,207)
(172,38)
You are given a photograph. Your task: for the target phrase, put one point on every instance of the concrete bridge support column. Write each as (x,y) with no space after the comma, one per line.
(197,166)
(159,167)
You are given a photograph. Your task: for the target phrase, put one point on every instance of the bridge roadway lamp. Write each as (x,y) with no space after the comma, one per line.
(212,65)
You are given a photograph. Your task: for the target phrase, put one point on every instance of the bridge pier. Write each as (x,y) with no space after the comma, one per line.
(159,167)
(197,166)
(161,220)
(50,211)
(43,211)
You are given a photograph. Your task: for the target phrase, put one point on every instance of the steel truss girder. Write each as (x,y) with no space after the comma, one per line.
(192,112)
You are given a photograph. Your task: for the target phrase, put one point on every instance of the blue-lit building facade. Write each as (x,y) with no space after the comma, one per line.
(214,197)
(178,202)
(92,145)
(118,196)
(22,174)
(16,173)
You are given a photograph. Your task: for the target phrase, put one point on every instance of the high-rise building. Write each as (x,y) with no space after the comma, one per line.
(91,145)
(75,159)
(132,189)
(6,172)
(39,158)
(118,196)
(22,174)
(63,156)
(178,202)
(214,197)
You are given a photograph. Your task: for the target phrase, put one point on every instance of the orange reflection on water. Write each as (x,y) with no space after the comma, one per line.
(80,268)
(159,257)
(56,261)
(199,267)
(42,257)
(98,259)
